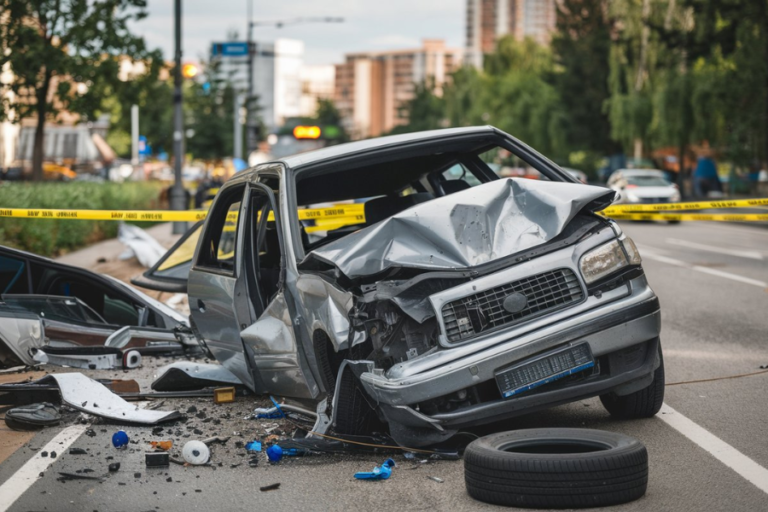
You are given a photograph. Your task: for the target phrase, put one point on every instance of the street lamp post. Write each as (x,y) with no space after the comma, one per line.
(249,117)
(177,195)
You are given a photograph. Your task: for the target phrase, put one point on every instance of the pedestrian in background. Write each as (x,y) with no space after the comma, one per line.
(705,179)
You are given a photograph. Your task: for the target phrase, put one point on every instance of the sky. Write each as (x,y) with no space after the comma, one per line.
(368,25)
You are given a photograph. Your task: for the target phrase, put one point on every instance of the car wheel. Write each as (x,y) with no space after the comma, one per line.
(556,468)
(644,403)
(354,415)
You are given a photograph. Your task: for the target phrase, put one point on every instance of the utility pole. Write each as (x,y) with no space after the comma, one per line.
(238,149)
(134,136)
(178,196)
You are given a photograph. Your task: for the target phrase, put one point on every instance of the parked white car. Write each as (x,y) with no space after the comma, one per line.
(643,186)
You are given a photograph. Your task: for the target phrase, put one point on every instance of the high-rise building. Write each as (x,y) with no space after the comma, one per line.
(488,20)
(316,84)
(277,79)
(372,87)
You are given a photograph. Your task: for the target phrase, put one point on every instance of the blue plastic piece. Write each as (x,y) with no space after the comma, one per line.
(274,453)
(272,413)
(120,439)
(379,472)
(253,446)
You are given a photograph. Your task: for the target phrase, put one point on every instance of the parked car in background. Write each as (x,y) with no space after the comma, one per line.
(576,174)
(638,186)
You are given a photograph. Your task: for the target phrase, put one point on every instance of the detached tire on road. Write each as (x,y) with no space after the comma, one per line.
(556,468)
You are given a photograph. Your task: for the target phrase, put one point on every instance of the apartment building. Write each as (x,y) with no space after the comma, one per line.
(371,87)
(488,20)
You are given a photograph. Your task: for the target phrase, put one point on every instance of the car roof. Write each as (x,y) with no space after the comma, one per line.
(341,150)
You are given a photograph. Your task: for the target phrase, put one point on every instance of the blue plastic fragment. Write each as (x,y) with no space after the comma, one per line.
(270,413)
(120,439)
(253,446)
(274,453)
(379,472)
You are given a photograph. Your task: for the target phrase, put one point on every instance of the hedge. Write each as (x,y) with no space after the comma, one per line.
(58,236)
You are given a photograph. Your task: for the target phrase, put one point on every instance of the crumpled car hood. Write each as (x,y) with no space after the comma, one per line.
(465,229)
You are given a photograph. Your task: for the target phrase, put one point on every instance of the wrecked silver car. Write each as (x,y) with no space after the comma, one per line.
(456,298)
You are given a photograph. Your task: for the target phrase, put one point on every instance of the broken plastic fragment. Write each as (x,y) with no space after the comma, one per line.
(196,453)
(162,445)
(274,453)
(269,412)
(120,439)
(253,446)
(379,472)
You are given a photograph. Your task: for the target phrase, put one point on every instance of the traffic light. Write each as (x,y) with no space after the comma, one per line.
(189,70)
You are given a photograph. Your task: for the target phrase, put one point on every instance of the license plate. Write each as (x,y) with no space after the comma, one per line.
(544,369)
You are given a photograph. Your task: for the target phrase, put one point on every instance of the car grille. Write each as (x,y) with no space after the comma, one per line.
(545,293)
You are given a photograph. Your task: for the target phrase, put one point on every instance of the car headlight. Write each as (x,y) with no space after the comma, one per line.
(674,197)
(608,258)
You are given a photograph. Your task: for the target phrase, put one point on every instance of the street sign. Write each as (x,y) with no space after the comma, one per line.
(144,148)
(231,49)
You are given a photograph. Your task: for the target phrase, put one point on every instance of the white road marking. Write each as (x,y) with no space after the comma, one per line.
(720,250)
(704,270)
(29,473)
(719,449)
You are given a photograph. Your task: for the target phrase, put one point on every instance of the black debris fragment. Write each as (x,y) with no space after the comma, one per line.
(43,454)
(77,451)
(53,455)
(272,487)
(192,409)
(64,476)
(115,466)
(90,432)
(137,475)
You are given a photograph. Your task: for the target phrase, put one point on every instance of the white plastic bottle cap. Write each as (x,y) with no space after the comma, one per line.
(196,453)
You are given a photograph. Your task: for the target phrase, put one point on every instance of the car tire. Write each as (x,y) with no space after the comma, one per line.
(644,403)
(556,468)
(354,415)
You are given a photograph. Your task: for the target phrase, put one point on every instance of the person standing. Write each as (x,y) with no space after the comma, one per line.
(705,179)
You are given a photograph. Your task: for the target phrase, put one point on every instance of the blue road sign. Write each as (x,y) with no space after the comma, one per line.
(231,49)
(144,148)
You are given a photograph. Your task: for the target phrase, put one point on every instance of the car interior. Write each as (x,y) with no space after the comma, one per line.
(389,187)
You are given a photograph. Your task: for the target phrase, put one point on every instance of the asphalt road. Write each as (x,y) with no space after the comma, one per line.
(712,282)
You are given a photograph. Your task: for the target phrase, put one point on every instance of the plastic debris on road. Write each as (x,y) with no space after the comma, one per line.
(196,453)
(253,446)
(120,439)
(274,453)
(269,412)
(382,472)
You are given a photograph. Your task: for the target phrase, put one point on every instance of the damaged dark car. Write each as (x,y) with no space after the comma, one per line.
(442,297)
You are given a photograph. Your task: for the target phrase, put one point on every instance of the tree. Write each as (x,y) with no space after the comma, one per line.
(328,115)
(582,46)
(425,111)
(64,55)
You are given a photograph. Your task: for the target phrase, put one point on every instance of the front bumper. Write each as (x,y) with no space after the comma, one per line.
(622,333)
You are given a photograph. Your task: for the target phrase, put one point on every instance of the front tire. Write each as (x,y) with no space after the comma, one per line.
(644,403)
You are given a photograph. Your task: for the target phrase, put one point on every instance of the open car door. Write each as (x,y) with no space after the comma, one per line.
(171,272)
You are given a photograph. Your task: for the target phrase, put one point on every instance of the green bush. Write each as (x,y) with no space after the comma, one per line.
(52,237)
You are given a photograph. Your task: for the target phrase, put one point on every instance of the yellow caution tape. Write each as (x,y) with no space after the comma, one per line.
(132,215)
(355,212)
(342,215)
(699,205)
(724,217)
